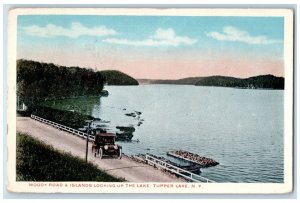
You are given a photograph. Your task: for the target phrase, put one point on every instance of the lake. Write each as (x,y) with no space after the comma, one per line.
(242,129)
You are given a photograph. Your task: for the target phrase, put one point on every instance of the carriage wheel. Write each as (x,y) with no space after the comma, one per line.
(120,153)
(100,153)
(96,152)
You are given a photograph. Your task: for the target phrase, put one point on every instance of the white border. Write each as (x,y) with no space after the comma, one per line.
(248,188)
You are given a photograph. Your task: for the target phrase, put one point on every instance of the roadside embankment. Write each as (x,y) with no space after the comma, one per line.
(37,161)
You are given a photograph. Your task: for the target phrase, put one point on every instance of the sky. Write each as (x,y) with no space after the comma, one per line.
(156,47)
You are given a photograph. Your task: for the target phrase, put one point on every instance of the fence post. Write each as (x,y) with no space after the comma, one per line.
(87,141)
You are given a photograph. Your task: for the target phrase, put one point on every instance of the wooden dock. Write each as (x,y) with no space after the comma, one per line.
(193,168)
(152,160)
(193,158)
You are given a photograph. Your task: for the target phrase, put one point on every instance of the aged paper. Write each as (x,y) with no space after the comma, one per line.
(210,98)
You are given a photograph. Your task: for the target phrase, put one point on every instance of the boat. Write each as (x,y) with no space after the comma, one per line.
(104,93)
(193,168)
(193,158)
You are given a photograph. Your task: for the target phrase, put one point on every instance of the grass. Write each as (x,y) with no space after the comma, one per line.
(37,161)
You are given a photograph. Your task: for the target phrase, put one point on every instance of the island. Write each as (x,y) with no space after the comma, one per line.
(255,82)
(114,77)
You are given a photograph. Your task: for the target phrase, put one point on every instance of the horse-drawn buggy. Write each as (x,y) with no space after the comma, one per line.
(104,145)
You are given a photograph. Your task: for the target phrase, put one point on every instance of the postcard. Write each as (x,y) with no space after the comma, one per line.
(141,100)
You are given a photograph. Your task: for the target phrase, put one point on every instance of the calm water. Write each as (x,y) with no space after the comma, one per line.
(241,129)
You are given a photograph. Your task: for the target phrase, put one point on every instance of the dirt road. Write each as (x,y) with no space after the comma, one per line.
(125,168)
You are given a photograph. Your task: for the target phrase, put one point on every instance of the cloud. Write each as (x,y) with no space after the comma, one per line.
(75,30)
(234,34)
(162,37)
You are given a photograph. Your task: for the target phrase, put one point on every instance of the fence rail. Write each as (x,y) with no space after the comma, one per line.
(150,159)
(63,127)
(174,169)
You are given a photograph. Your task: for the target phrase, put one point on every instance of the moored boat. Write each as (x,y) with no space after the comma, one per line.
(193,158)
(104,93)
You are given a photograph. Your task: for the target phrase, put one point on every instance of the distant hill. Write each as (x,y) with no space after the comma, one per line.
(261,81)
(114,77)
(257,82)
(183,81)
(144,81)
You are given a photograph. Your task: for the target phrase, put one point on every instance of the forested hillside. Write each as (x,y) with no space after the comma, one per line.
(39,81)
(261,82)
(114,77)
(42,81)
